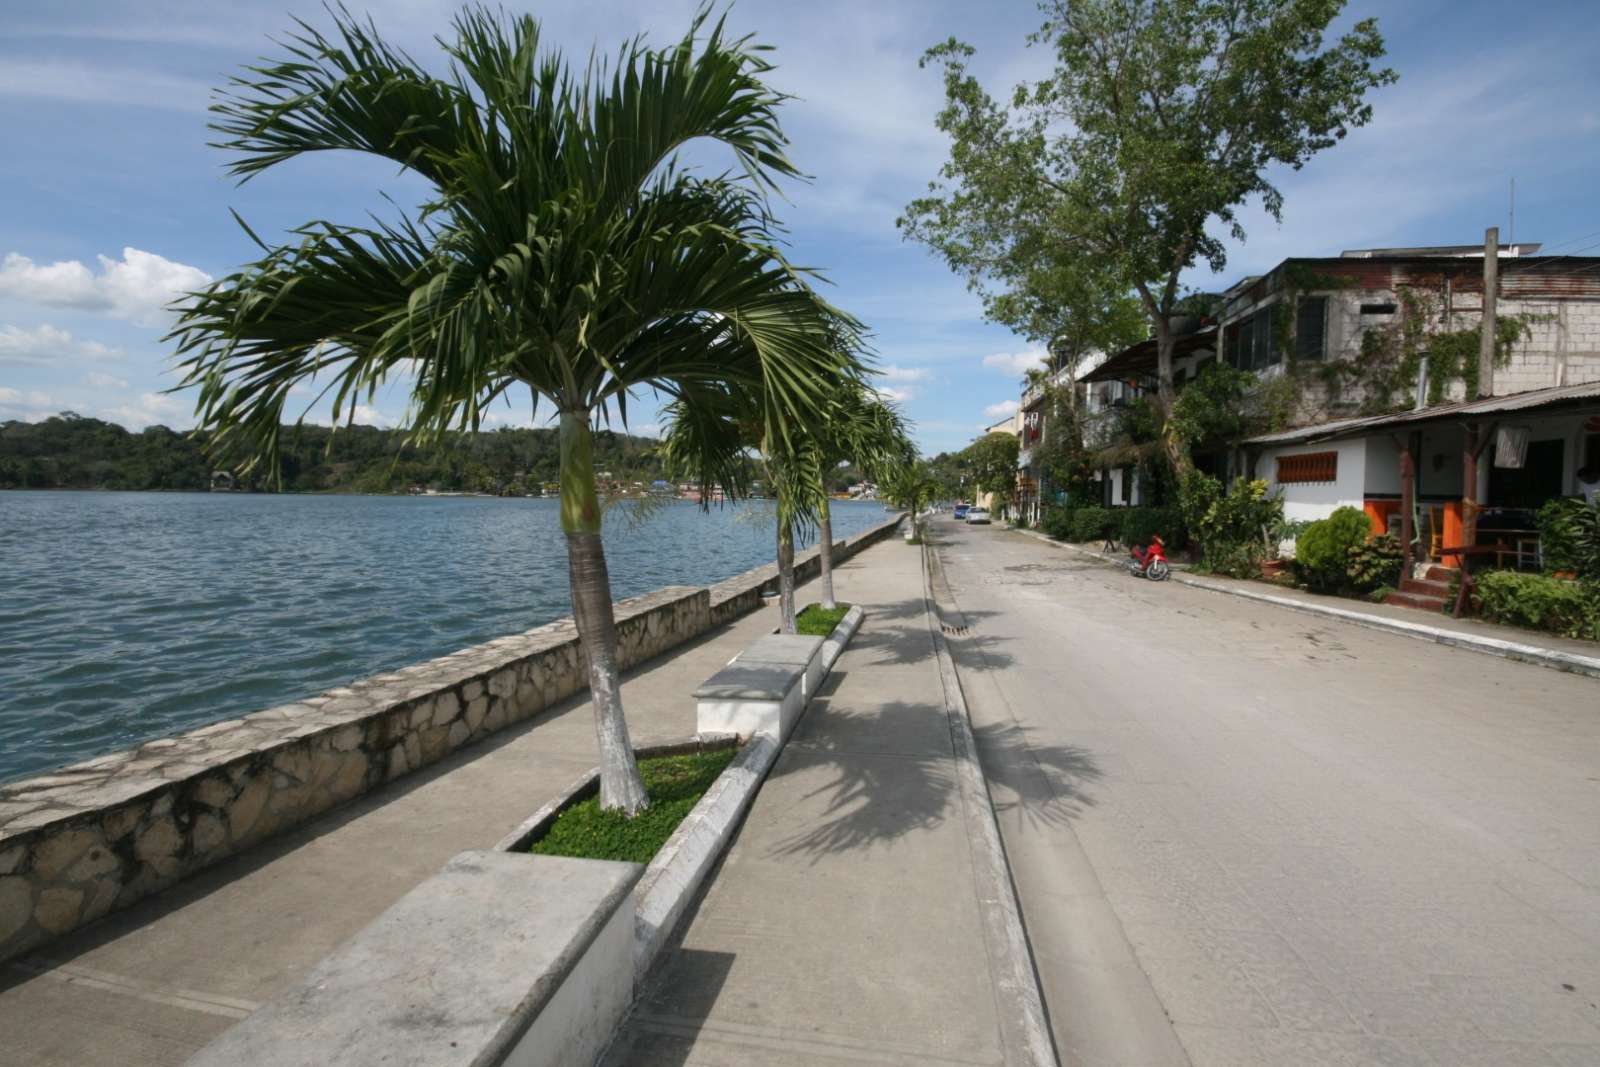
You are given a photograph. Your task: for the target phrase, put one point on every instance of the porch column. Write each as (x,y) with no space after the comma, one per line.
(1469,484)
(1408,501)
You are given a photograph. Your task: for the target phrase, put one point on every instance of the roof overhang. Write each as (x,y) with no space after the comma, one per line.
(1533,402)
(1140,360)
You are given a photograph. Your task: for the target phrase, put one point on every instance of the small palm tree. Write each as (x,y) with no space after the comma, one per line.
(711,443)
(858,426)
(563,251)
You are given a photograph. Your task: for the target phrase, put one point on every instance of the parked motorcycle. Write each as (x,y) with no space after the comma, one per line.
(1150,562)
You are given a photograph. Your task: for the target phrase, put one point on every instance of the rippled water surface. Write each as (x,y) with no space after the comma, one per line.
(127,616)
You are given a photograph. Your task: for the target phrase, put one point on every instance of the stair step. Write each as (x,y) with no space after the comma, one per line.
(1426,587)
(1416,600)
(1436,573)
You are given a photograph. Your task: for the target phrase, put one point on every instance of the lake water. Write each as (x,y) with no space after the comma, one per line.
(129,616)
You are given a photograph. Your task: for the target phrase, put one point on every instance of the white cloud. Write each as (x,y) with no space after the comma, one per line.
(104,381)
(893,394)
(46,344)
(1015,362)
(895,373)
(137,287)
(150,409)
(370,416)
(96,83)
(1002,409)
(30,406)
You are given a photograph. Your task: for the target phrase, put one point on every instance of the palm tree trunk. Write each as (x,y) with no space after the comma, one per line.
(825,549)
(786,574)
(621,787)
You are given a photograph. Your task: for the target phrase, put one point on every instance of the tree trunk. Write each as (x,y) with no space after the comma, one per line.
(786,575)
(825,549)
(621,787)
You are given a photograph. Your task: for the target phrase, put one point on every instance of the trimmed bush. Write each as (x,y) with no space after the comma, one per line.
(1539,602)
(1374,564)
(1322,552)
(1140,524)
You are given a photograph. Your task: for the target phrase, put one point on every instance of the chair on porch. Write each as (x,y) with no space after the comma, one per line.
(1434,513)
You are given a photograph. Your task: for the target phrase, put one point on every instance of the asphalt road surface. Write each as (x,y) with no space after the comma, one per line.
(1243,835)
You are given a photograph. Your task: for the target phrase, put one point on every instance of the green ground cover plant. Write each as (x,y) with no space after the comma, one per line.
(818,621)
(673,783)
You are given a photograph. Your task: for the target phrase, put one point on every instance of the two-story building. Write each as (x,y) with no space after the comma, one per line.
(1369,362)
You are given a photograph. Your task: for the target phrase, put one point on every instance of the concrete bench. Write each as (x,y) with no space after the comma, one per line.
(763,689)
(499,958)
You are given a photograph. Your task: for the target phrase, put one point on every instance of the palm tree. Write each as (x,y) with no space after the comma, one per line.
(858,426)
(709,443)
(563,250)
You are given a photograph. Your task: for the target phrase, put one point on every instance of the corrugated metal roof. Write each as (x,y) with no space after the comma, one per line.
(1533,399)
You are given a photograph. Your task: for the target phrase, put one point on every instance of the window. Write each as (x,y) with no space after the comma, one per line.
(1308,467)
(1127,485)
(1239,346)
(1310,323)
(1265,352)
(1378,309)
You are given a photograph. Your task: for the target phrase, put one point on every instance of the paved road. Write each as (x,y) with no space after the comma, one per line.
(1245,836)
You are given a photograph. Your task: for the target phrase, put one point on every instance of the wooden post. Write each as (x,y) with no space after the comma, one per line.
(1408,503)
(1486,331)
(1469,485)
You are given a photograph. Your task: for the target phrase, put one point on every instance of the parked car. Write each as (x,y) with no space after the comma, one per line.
(960,513)
(977,516)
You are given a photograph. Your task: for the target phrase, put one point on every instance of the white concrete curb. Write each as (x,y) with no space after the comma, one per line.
(1024,1026)
(1494,646)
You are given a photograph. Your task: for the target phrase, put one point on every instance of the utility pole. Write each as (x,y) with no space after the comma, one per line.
(1486,332)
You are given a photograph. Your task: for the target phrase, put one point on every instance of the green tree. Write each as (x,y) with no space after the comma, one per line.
(992,461)
(563,250)
(1161,118)
(861,428)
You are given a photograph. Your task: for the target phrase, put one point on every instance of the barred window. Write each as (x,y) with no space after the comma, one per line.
(1310,328)
(1308,467)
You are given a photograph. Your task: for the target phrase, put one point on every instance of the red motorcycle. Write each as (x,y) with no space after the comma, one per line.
(1150,562)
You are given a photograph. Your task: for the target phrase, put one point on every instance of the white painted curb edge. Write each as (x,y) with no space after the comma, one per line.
(1542,657)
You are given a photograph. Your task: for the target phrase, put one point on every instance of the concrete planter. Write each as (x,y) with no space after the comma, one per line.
(505,957)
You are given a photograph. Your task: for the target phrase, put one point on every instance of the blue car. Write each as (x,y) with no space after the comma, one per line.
(961,512)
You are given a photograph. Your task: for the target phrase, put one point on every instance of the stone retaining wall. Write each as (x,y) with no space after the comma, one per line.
(97,836)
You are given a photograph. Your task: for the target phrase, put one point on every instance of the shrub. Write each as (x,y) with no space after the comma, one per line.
(1057,522)
(1139,524)
(1086,524)
(1569,537)
(1231,527)
(1322,552)
(1374,564)
(1540,602)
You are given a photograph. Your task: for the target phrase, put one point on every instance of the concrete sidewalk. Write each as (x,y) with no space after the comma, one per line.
(844,925)
(152,984)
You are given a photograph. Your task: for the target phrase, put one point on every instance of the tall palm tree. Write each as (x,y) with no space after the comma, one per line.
(562,250)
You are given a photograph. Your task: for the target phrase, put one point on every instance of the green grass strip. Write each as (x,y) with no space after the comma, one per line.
(674,785)
(818,621)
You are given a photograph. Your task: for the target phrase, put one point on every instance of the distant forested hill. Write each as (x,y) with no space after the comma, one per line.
(68,451)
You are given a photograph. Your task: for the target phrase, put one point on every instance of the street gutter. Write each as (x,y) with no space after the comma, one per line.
(1024,1025)
(1570,662)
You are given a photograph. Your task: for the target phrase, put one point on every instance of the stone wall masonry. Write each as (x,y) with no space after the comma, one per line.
(99,835)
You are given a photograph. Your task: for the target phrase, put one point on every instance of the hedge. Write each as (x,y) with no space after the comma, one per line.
(1539,602)
(1131,526)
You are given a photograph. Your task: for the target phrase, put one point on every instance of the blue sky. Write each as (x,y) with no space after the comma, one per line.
(110,201)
